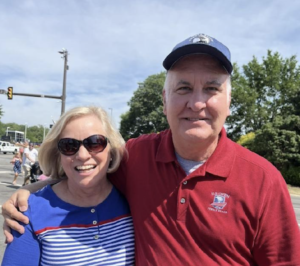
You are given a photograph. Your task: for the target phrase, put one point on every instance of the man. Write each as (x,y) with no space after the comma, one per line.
(196,197)
(29,157)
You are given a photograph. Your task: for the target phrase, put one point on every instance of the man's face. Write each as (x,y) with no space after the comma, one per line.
(30,147)
(196,99)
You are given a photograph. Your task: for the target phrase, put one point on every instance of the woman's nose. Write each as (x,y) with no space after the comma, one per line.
(83,153)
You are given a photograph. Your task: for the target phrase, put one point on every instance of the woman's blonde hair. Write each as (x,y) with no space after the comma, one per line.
(49,155)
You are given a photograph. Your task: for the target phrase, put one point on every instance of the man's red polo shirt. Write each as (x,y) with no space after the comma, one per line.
(233,210)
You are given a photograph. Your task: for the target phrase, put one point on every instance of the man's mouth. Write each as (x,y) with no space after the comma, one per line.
(195,119)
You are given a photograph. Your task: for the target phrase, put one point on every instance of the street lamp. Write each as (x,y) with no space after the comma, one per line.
(64,52)
(25,132)
(7,131)
(44,133)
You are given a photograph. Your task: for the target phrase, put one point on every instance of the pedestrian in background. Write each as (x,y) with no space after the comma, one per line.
(29,157)
(17,162)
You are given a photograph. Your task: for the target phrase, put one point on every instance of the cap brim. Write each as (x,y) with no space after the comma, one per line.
(175,55)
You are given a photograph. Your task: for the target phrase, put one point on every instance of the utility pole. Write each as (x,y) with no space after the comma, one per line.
(64,52)
(44,134)
(25,132)
(10,92)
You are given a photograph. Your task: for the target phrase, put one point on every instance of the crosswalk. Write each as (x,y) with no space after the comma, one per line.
(6,172)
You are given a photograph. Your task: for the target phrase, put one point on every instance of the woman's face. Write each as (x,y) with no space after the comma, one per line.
(85,169)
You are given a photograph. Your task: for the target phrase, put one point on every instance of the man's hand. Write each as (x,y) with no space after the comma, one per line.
(19,199)
(12,216)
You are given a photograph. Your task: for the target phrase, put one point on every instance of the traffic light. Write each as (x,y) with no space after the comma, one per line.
(10,93)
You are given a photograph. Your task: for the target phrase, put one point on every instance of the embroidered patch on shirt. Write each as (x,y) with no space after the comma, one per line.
(219,202)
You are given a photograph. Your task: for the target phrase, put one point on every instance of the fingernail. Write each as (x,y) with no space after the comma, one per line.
(22,208)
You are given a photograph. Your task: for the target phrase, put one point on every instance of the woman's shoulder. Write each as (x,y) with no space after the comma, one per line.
(43,193)
(117,201)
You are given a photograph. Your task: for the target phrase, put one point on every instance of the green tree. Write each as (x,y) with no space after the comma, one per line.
(34,133)
(262,92)
(279,142)
(146,109)
(246,140)
(266,102)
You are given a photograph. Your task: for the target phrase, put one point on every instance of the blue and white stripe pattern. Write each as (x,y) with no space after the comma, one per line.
(105,244)
(63,234)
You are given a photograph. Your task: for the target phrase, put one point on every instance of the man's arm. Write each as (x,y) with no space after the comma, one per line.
(30,159)
(12,216)
(278,238)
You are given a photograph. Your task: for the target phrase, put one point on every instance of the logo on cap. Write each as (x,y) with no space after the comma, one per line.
(201,38)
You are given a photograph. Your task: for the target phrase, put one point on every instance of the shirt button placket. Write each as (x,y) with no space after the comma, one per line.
(182,200)
(94,223)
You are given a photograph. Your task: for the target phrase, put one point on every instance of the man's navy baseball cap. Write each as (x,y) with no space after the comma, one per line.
(200,44)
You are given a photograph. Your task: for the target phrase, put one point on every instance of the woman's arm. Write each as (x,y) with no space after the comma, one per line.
(24,250)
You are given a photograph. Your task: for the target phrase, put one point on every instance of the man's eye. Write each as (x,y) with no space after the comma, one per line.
(184,89)
(212,89)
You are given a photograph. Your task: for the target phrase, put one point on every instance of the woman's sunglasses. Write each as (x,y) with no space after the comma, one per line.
(94,144)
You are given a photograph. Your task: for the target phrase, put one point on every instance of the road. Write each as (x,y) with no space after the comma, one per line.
(6,189)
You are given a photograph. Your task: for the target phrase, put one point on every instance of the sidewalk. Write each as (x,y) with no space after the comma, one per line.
(294,190)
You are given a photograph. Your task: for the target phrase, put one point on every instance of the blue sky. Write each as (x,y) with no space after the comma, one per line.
(113,45)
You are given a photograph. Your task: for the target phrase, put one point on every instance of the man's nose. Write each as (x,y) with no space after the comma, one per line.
(197,100)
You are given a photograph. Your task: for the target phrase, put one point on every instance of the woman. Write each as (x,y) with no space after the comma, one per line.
(82,219)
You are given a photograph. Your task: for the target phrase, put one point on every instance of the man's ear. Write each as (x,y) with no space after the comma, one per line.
(164,102)
(229,101)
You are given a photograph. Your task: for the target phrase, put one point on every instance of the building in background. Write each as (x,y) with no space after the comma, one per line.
(15,136)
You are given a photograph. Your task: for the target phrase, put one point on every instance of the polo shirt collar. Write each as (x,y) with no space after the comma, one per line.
(166,152)
(219,163)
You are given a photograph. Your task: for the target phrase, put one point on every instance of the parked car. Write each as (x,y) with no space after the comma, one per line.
(6,147)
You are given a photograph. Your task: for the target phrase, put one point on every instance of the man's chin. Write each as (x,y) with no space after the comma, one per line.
(197,134)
